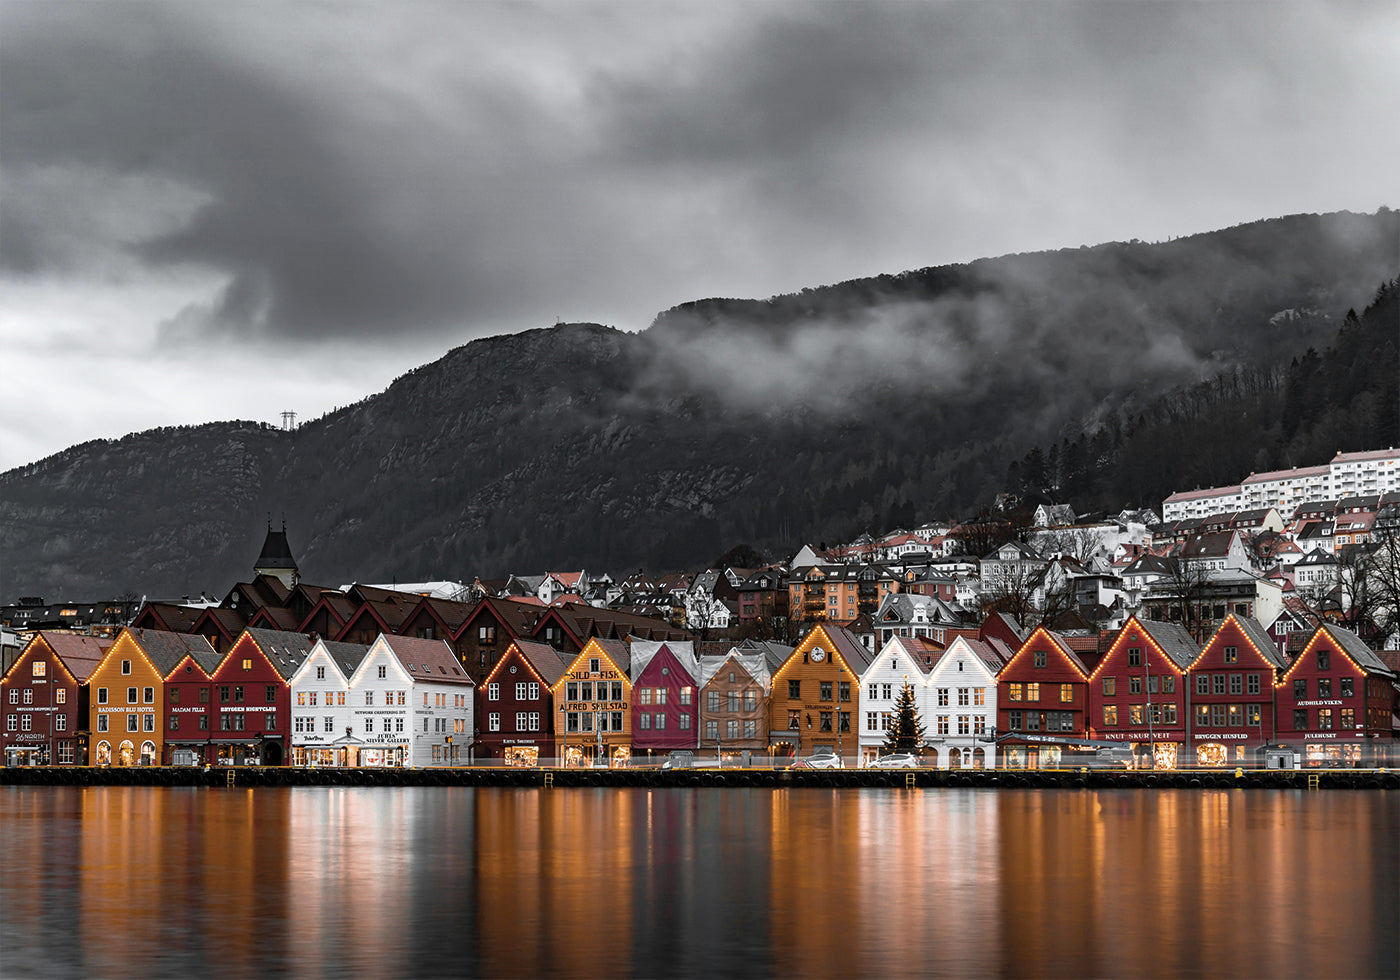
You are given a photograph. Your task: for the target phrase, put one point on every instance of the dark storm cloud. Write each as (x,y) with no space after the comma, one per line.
(429,172)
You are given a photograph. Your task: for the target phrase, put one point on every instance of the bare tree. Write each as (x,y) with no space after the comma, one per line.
(1079,543)
(1186,583)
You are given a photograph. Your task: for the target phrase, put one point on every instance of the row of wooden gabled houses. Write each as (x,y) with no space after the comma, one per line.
(986,699)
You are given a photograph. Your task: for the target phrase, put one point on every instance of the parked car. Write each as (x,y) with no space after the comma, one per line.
(896,760)
(822,760)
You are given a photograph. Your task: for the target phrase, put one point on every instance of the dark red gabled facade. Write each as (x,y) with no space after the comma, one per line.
(190,714)
(489,630)
(1336,702)
(515,706)
(44,700)
(250,700)
(1137,692)
(1042,702)
(1231,690)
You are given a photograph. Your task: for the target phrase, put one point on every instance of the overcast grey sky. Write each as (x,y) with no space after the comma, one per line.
(214,211)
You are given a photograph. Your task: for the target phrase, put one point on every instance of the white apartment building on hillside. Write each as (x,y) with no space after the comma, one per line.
(1374,471)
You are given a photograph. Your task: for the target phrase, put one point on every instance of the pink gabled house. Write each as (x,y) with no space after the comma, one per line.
(665,701)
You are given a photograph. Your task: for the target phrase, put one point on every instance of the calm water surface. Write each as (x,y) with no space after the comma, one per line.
(124,881)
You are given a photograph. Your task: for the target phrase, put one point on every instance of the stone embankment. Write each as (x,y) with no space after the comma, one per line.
(249,776)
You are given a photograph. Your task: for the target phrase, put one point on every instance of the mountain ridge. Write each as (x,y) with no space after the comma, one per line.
(875,401)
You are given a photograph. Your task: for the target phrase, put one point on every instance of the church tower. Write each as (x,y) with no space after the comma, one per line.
(276,558)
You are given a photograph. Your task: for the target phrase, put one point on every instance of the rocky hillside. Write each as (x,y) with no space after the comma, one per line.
(860,405)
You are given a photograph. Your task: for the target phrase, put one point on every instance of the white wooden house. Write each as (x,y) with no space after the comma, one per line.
(963,715)
(320,692)
(411,704)
(899,661)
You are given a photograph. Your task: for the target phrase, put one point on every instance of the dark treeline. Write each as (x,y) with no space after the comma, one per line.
(1248,420)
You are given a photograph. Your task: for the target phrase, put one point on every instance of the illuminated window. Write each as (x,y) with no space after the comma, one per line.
(61,695)
(1348,718)
(686,694)
(964,725)
(1253,715)
(1110,686)
(943,722)
(943,695)
(1110,714)
(1324,719)
(1032,692)
(28,696)
(1066,693)
(40,668)
(963,698)
(794,720)
(247,663)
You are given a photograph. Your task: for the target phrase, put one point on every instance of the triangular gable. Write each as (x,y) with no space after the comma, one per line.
(612,651)
(1171,641)
(1255,637)
(540,660)
(1048,639)
(826,637)
(899,650)
(78,655)
(1349,645)
(663,656)
(983,655)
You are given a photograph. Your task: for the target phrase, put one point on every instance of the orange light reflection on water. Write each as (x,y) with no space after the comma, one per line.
(590,882)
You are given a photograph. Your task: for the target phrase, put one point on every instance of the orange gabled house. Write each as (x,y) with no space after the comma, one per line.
(126,705)
(816,694)
(593,706)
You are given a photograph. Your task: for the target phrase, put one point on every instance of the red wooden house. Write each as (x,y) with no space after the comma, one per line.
(515,706)
(220,626)
(1337,701)
(328,616)
(665,706)
(1042,701)
(190,712)
(492,626)
(43,700)
(1232,694)
(1137,692)
(168,616)
(440,619)
(251,699)
(376,616)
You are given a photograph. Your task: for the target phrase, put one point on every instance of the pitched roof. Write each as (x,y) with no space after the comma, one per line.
(286,650)
(165,650)
(643,651)
(543,658)
(615,649)
(80,654)
(427,660)
(852,650)
(1356,649)
(1173,639)
(172,615)
(1260,638)
(347,656)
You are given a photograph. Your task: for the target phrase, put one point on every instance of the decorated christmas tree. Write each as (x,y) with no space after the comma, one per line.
(906,731)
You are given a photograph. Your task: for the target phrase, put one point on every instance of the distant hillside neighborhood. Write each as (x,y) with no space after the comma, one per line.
(1106,377)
